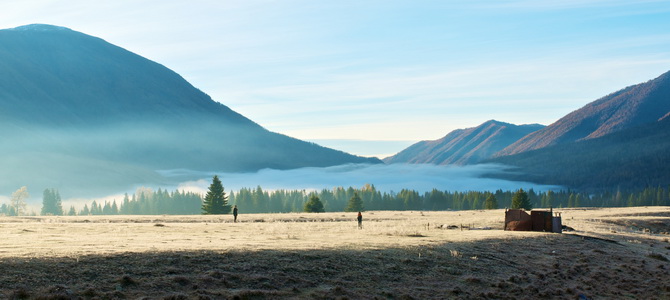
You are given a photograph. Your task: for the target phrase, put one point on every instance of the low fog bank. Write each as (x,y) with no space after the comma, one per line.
(386,178)
(394,177)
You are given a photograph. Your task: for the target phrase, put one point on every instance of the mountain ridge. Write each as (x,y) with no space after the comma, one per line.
(95,106)
(464,146)
(632,158)
(629,107)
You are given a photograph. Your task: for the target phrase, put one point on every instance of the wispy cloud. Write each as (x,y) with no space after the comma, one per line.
(545,89)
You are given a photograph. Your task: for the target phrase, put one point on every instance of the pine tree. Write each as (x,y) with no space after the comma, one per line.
(115,208)
(85,211)
(521,200)
(571,200)
(216,201)
(491,202)
(355,204)
(314,205)
(51,203)
(95,209)
(549,199)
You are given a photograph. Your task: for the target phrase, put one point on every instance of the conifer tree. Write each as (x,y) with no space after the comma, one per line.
(85,211)
(314,205)
(548,199)
(95,209)
(355,204)
(51,203)
(521,200)
(491,202)
(216,201)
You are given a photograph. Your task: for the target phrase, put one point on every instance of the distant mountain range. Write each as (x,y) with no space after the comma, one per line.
(619,141)
(465,146)
(77,112)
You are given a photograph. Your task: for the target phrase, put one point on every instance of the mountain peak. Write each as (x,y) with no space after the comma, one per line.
(465,146)
(492,121)
(40,27)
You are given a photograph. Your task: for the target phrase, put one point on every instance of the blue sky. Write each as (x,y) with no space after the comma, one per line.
(371,77)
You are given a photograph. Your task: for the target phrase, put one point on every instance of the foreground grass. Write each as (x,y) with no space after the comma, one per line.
(398,258)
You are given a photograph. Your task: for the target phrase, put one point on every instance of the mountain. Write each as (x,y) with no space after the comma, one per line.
(465,146)
(77,112)
(632,158)
(636,105)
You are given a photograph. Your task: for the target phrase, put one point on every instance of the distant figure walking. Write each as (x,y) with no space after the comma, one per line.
(360,220)
(235,214)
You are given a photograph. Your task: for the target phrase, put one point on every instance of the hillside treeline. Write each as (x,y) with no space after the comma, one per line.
(631,159)
(143,202)
(147,202)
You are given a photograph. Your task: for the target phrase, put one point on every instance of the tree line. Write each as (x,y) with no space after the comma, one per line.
(144,201)
(260,201)
(256,200)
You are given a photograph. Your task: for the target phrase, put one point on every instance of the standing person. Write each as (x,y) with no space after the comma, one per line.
(235,213)
(360,220)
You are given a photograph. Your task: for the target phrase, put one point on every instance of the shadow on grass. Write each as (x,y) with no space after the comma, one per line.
(548,266)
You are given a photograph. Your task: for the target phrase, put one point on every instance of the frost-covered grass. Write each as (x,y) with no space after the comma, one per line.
(395,255)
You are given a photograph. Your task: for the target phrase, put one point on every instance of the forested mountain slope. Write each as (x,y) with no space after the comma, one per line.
(632,158)
(76,110)
(465,146)
(636,105)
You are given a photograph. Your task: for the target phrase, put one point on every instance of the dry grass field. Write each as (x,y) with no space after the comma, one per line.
(613,253)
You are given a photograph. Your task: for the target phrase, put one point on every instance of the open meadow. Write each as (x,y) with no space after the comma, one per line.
(612,253)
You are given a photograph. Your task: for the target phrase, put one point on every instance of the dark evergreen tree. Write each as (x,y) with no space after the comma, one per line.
(410,199)
(491,202)
(521,200)
(51,203)
(95,208)
(548,199)
(314,205)
(571,200)
(216,201)
(85,211)
(355,203)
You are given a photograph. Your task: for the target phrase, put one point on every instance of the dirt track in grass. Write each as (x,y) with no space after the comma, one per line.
(398,255)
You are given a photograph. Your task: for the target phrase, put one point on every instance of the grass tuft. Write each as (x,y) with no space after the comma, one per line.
(657,256)
(126,280)
(20,293)
(416,235)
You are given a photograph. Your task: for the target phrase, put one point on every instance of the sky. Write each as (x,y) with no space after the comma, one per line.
(373,77)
